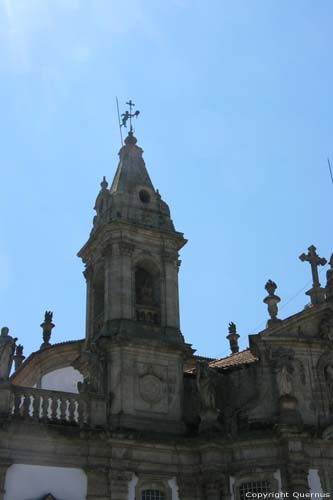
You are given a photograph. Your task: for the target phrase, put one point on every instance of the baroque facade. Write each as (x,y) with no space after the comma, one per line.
(131,413)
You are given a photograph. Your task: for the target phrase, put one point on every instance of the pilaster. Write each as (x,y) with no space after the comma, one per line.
(188,488)
(119,481)
(88,273)
(118,282)
(98,483)
(171,289)
(297,478)
(3,470)
(214,486)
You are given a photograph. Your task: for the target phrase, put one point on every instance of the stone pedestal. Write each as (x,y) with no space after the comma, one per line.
(317,295)
(5,400)
(289,414)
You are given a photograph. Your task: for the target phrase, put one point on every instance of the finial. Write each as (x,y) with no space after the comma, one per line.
(316,293)
(18,358)
(129,115)
(233,338)
(329,282)
(272,301)
(47,326)
(104,183)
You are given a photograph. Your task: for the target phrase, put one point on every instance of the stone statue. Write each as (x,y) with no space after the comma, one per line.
(284,381)
(272,301)
(329,380)
(206,387)
(7,348)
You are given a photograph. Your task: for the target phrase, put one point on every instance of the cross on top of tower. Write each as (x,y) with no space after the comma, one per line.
(313,258)
(128,115)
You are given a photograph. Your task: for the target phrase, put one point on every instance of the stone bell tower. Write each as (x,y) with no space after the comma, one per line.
(131,260)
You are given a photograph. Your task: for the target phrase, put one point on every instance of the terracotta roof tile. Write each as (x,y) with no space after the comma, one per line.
(239,358)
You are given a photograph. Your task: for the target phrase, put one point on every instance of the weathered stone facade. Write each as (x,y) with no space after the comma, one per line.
(151,420)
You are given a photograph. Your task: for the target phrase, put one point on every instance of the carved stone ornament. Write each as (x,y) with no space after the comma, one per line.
(150,388)
(326,328)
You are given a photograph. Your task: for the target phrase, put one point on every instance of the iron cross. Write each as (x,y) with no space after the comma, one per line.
(313,258)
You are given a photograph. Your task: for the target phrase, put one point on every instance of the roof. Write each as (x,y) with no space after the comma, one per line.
(239,358)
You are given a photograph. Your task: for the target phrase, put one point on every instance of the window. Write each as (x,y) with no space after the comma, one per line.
(152,495)
(253,487)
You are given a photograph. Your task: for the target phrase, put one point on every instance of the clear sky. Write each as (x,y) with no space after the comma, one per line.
(236,124)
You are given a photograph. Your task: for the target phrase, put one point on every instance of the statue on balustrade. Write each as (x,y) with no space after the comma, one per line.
(7,348)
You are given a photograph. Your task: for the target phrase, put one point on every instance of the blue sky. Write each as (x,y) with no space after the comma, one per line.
(236,125)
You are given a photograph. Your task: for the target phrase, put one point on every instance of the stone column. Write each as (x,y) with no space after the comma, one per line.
(3,471)
(98,483)
(171,290)
(119,481)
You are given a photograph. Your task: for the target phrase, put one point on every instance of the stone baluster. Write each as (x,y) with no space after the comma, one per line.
(35,406)
(17,404)
(81,412)
(71,410)
(54,407)
(62,408)
(26,406)
(45,407)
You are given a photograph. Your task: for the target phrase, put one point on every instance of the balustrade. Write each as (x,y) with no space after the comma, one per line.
(53,406)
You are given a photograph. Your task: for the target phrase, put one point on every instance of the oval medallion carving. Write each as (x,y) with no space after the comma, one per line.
(150,388)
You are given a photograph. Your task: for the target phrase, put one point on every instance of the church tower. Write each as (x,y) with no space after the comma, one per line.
(132,317)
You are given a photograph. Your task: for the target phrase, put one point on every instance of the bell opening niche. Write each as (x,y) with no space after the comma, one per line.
(147,294)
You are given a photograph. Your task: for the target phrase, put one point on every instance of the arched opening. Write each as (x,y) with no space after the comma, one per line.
(147,294)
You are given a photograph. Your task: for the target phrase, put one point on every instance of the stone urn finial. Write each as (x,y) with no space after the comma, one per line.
(272,301)
(233,338)
(19,357)
(47,327)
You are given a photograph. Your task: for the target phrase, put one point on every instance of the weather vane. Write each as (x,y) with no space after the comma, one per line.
(129,115)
